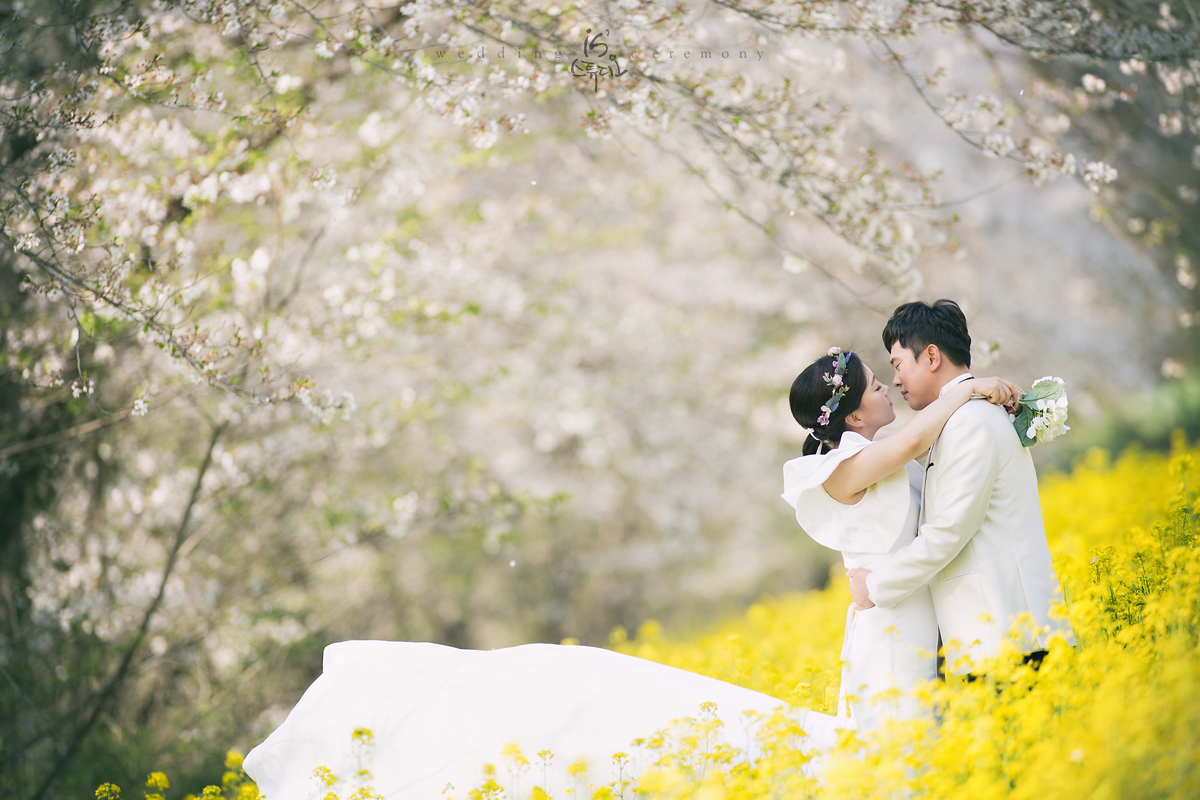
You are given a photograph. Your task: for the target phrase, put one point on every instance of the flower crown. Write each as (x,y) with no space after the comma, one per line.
(837,381)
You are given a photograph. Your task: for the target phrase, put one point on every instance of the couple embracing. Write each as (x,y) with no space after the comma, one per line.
(955,550)
(956,547)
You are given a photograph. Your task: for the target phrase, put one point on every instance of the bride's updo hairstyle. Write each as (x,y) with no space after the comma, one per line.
(810,392)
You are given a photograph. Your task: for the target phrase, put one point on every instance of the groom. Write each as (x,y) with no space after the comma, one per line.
(980,544)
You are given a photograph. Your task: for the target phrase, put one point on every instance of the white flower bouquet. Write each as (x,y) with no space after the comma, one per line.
(1042,413)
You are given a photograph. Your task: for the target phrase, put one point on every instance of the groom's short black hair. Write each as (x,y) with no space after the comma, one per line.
(917,325)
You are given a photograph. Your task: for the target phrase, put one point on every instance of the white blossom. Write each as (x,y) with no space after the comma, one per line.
(1097,173)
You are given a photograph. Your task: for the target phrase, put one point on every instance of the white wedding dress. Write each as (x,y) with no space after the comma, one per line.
(885,651)
(438,714)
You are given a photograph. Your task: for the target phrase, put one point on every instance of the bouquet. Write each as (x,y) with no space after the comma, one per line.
(1042,412)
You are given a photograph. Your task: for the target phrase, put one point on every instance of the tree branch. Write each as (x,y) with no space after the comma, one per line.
(114,683)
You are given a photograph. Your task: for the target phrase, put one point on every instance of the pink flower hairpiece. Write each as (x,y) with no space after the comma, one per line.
(837,380)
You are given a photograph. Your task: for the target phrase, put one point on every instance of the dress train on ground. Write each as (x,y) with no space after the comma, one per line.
(438,714)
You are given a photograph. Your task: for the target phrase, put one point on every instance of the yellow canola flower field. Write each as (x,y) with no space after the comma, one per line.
(1115,718)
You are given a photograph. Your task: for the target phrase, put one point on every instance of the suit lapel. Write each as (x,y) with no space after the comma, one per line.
(929,466)
(925,487)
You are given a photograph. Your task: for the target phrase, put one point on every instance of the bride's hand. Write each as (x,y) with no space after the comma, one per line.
(998,391)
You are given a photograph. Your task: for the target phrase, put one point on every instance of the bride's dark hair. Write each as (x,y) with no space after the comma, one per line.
(810,392)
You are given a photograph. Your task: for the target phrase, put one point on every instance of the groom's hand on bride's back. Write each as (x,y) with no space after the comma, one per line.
(858,588)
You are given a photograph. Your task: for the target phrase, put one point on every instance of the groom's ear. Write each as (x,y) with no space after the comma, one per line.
(934,356)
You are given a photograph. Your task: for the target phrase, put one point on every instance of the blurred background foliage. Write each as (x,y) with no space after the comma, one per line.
(312,334)
(1147,419)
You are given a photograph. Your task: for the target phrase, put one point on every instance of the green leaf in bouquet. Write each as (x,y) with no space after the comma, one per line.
(1043,391)
(1022,422)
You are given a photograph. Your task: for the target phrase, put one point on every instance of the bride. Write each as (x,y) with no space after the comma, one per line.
(422,719)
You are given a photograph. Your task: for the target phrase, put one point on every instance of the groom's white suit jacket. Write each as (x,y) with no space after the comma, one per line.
(981,545)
